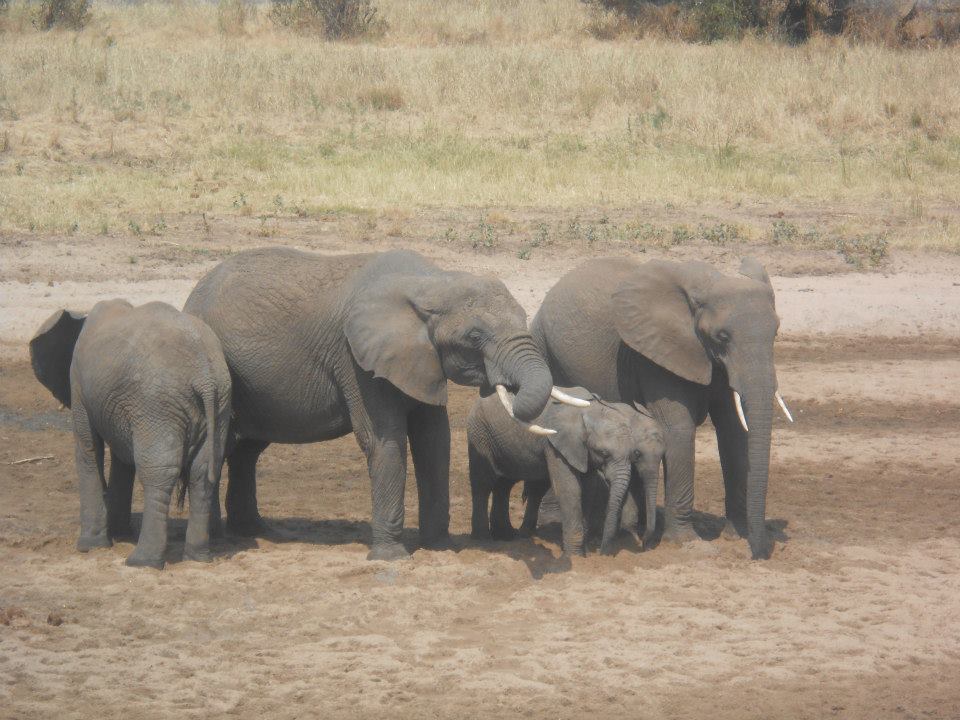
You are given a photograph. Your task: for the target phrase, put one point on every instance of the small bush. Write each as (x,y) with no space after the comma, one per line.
(335,19)
(72,14)
(863,250)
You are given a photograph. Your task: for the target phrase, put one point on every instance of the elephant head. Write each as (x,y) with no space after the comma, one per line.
(420,330)
(51,352)
(610,439)
(708,327)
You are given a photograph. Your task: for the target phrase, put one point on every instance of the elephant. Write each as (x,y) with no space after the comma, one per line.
(151,383)
(685,341)
(319,346)
(599,438)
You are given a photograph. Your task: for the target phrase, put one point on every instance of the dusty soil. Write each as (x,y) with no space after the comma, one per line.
(857,614)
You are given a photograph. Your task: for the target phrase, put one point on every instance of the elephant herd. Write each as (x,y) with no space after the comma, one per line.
(282,346)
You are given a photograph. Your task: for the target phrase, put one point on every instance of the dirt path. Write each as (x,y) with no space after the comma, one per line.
(857,615)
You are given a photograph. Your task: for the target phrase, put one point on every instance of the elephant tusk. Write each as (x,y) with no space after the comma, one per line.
(505,399)
(504,396)
(739,404)
(537,430)
(560,396)
(783,406)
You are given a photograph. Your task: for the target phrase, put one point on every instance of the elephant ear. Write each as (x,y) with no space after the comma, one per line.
(388,337)
(752,268)
(654,313)
(51,352)
(571,437)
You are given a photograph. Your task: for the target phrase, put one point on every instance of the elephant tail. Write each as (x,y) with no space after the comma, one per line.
(208,398)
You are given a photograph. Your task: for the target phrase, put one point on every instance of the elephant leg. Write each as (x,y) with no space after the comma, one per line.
(243,518)
(197,543)
(159,480)
(88,452)
(119,497)
(566,486)
(482,480)
(732,446)
(500,526)
(428,429)
(533,492)
(678,469)
(386,451)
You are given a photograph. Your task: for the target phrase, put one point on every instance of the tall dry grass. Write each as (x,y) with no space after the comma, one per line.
(168,108)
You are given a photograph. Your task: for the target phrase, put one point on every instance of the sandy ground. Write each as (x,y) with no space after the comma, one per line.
(857,614)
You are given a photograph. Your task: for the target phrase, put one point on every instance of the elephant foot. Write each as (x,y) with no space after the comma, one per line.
(91,542)
(388,552)
(608,549)
(575,552)
(526,531)
(248,527)
(138,559)
(503,533)
(732,530)
(197,553)
(216,529)
(680,535)
(437,542)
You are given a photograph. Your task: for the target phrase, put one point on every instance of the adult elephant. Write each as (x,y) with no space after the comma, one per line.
(686,341)
(318,346)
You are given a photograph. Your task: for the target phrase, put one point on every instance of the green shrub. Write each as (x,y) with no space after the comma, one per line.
(335,19)
(72,14)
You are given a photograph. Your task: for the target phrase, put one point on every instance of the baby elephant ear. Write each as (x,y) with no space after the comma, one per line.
(752,268)
(571,437)
(51,352)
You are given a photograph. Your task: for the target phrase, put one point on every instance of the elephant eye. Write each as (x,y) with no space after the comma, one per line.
(636,455)
(723,336)
(475,336)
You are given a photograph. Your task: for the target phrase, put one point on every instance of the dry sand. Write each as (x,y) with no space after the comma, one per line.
(857,614)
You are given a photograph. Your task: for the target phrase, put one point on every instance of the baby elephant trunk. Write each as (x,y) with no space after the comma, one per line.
(649,473)
(619,477)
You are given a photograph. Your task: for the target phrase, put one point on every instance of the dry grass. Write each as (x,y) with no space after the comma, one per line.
(189,108)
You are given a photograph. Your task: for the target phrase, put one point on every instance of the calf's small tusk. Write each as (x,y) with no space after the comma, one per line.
(560,396)
(783,406)
(739,404)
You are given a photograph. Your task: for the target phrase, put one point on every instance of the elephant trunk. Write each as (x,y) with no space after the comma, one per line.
(517,363)
(649,474)
(619,484)
(757,400)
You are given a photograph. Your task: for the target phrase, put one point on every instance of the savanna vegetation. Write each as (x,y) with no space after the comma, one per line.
(160,109)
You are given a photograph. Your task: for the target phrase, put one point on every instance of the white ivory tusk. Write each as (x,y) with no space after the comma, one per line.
(739,404)
(504,396)
(783,406)
(560,396)
(537,430)
(505,399)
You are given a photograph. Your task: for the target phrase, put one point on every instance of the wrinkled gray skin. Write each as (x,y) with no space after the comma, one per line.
(607,439)
(151,383)
(678,338)
(319,346)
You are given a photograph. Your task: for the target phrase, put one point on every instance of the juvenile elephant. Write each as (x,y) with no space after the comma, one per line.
(152,384)
(606,439)
(684,340)
(319,346)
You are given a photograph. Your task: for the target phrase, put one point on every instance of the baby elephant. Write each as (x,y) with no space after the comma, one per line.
(151,383)
(609,439)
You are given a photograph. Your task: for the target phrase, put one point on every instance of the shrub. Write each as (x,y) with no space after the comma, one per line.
(73,14)
(336,19)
